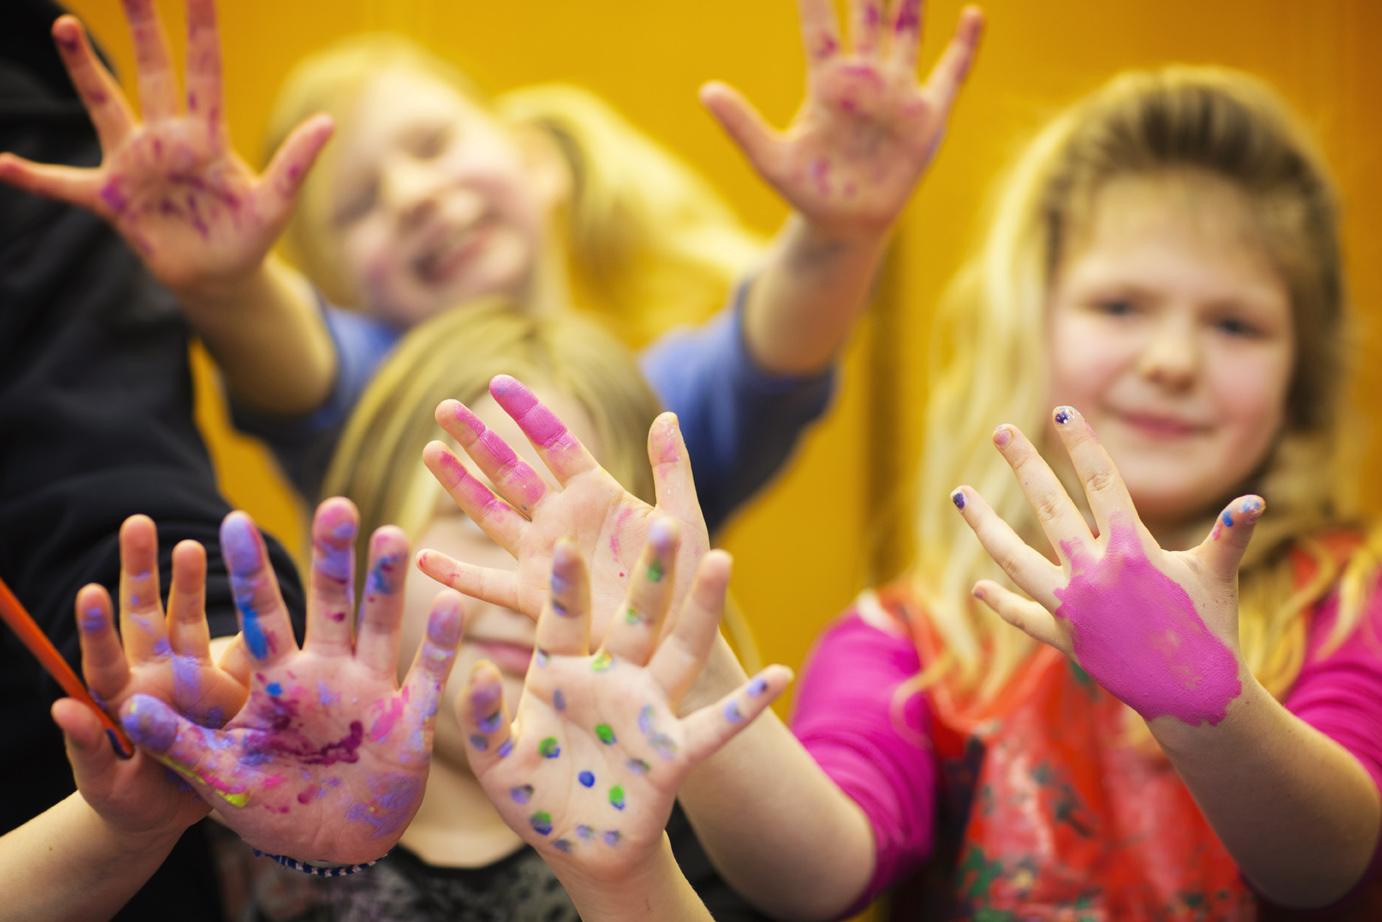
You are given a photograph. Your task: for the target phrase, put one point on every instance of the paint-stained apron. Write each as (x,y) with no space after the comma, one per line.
(1047,812)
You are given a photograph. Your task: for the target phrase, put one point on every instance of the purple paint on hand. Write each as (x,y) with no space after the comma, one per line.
(150,723)
(757,687)
(93,620)
(1136,632)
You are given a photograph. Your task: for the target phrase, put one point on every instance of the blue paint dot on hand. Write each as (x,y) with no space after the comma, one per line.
(559,700)
(587,779)
(274,689)
(1227,519)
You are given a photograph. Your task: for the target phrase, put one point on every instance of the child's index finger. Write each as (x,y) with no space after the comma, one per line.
(205,94)
(561,451)
(331,598)
(105,102)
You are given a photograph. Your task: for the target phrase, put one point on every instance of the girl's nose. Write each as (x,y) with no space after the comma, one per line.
(1171,357)
(409,189)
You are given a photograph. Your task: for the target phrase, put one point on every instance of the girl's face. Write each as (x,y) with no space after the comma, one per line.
(434,202)
(1172,333)
(500,635)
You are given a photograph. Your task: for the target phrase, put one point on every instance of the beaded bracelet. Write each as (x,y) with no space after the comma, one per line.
(316,870)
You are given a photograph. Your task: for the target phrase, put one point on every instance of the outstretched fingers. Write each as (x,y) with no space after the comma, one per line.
(1224,548)
(290,164)
(381,611)
(710,728)
(558,448)
(100,94)
(1109,498)
(495,517)
(155,76)
(331,584)
(426,679)
(104,666)
(953,66)
(820,31)
(514,479)
(634,632)
(484,717)
(142,625)
(905,40)
(563,628)
(865,26)
(1065,528)
(498,587)
(74,185)
(205,84)
(682,655)
(1024,614)
(264,620)
(673,485)
(1037,576)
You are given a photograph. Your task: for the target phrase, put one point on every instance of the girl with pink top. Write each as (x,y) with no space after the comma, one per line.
(1136,713)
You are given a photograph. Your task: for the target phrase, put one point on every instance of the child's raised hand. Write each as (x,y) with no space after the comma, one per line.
(1158,629)
(867,130)
(171,184)
(587,770)
(167,656)
(527,516)
(327,760)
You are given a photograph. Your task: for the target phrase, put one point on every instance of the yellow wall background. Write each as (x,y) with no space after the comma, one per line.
(839,518)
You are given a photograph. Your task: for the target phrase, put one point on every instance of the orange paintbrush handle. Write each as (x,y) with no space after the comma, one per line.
(12,610)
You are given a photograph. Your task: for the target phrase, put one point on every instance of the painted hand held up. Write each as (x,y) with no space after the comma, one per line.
(327,760)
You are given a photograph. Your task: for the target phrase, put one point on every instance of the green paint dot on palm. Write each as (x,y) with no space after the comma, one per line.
(541,822)
(605,733)
(549,748)
(602,662)
(632,616)
(616,797)
(655,571)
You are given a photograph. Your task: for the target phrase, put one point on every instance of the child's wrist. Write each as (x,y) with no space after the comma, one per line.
(1180,740)
(643,882)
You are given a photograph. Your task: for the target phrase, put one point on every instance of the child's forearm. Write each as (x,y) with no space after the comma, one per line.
(1296,811)
(68,865)
(773,823)
(269,338)
(657,890)
(801,309)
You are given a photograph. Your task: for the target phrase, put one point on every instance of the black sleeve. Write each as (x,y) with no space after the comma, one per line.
(95,425)
(724,903)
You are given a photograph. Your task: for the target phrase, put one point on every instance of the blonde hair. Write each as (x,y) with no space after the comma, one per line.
(649,242)
(1173,121)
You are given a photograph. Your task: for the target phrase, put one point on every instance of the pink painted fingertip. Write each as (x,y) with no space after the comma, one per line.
(1002,435)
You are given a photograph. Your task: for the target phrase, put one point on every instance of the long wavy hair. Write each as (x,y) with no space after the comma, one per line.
(648,242)
(1169,122)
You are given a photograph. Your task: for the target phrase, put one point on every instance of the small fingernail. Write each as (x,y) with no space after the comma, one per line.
(239,544)
(1002,435)
(1065,415)
(977,592)
(958,498)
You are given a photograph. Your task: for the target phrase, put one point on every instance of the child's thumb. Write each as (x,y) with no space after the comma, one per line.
(1224,548)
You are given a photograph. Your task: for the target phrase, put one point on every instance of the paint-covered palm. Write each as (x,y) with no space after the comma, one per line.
(327,760)
(527,516)
(867,130)
(171,184)
(1158,629)
(588,771)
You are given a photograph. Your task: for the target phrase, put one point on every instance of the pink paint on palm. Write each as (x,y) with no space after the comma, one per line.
(384,723)
(1136,632)
(537,422)
(518,477)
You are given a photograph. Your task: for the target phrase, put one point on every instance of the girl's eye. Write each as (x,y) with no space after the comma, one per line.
(1235,326)
(1117,307)
(430,144)
(357,206)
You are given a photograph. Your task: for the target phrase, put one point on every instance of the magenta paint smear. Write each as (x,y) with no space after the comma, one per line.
(518,476)
(1136,632)
(537,422)
(475,494)
(384,724)
(908,16)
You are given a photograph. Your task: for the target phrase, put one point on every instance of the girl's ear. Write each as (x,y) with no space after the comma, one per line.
(545,163)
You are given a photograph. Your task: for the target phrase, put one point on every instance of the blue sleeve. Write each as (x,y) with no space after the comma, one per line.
(740,423)
(304,444)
